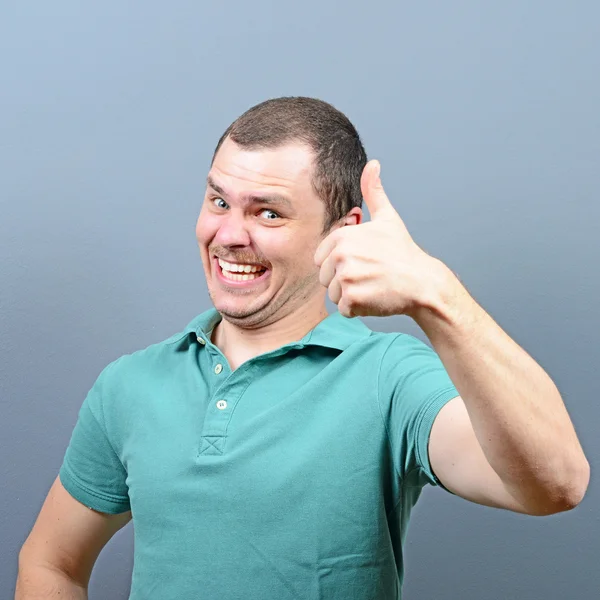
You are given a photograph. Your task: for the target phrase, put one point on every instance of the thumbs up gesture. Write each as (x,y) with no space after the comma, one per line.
(375,269)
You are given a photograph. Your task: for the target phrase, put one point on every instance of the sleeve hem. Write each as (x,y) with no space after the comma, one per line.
(91,498)
(428,415)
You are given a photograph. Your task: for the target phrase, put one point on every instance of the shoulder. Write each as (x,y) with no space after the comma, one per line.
(403,351)
(133,373)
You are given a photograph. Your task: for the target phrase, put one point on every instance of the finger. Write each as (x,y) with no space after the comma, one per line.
(377,202)
(325,247)
(344,308)
(335,291)
(327,271)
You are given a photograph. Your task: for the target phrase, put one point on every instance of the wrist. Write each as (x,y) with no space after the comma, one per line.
(443,299)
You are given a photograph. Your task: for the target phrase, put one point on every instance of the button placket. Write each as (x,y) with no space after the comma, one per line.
(224,399)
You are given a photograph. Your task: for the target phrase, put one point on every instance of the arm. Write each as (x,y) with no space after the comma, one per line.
(512,444)
(44,583)
(507,441)
(57,558)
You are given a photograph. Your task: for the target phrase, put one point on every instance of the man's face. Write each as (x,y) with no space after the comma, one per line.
(282,234)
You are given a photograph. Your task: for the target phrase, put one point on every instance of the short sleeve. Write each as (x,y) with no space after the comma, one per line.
(413,386)
(91,470)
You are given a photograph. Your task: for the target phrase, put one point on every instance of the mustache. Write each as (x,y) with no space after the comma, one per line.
(242,260)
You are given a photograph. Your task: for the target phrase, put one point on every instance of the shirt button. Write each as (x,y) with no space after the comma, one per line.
(218,368)
(221,404)
(200,340)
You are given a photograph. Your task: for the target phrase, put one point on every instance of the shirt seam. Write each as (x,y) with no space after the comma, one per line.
(102,424)
(387,433)
(106,497)
(426,406)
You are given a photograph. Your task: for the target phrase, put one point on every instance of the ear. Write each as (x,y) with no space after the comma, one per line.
(354,217)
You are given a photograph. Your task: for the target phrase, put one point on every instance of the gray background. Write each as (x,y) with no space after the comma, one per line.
(485,117)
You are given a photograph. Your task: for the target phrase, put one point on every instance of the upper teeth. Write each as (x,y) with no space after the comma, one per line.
(239,268)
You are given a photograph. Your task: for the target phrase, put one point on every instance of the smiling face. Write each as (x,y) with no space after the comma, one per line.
(260,208)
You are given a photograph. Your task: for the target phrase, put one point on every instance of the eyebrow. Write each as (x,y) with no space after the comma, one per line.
(253,198)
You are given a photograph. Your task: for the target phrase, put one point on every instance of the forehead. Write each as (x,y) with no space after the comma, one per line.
(287,168)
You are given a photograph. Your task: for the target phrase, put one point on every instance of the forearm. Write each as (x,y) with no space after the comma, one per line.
(42,583)
(515,408)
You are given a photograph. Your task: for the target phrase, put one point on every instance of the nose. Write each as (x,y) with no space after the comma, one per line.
(232,231)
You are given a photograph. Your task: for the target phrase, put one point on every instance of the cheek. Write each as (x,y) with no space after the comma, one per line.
(199,225)
(205,228)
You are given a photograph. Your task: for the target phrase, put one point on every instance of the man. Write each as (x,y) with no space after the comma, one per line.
(272,450)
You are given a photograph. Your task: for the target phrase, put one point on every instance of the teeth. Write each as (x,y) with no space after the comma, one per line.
(239,268)
(236,277)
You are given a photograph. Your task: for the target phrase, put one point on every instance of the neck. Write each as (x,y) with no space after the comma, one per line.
(235,340)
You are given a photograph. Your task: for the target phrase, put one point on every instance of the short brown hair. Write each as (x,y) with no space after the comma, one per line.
(339,156)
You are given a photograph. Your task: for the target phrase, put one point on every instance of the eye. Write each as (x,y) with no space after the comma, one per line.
(271,211)
(221,199)
(217,199)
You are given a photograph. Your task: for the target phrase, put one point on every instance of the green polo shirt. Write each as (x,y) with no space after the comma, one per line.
(292,477)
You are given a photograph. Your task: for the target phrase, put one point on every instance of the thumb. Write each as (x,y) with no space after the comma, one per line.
(375,197)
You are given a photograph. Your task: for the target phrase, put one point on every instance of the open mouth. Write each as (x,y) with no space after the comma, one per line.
(238,279)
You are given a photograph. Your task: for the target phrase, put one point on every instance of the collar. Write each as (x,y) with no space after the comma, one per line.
(335,331)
